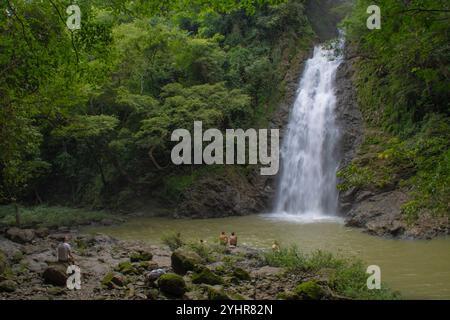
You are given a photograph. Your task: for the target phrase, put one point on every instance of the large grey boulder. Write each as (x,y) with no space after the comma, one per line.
(20,235)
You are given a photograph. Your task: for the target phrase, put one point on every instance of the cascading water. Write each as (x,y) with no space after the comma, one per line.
(307,188)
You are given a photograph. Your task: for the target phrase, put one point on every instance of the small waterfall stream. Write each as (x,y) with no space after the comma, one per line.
(307,187)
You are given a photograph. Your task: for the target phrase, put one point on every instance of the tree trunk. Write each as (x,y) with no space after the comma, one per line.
(16,208)
(38,197)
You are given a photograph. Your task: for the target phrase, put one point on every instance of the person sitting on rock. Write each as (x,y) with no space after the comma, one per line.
(64,252)
(223,239)
(233,240)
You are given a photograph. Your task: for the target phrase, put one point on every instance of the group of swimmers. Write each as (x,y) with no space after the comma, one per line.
(225,240)
(64,250)
(232,241)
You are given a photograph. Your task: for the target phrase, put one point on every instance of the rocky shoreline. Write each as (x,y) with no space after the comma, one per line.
(133,270)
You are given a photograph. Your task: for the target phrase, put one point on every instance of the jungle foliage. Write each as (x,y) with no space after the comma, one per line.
(87,114)
(403,90)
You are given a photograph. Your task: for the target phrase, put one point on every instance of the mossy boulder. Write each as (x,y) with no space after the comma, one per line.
(216,294)
(309,290)
(172,284)
(206,276)
(112,280)
(152,294)
(139,256)
(126,267)
(241,274)
(143,266)
(8,286)
(184,260)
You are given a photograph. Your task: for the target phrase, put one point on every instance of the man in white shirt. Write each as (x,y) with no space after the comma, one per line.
(64,251)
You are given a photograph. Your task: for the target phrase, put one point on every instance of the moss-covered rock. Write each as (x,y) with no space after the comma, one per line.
(287,295)
(309,290)
(138,256)
(172,284)
(8,286)
(126,267)
(241,274)
(143,266)
(184,260)
(206,276)
(112,280)
(216,294)
(152,294)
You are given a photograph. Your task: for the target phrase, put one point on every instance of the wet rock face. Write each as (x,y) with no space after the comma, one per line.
(220,197)
(377,210)
(379,214)
(324,17)
(348,116)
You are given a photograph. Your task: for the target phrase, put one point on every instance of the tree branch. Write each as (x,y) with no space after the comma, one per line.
(71,32)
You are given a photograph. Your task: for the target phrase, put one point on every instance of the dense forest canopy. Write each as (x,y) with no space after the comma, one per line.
(87,114)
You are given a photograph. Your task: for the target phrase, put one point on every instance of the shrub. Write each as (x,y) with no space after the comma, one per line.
(173,241)
(47,216)
(348,277)
(309,290)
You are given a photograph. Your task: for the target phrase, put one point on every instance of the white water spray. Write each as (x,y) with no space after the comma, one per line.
(307,190)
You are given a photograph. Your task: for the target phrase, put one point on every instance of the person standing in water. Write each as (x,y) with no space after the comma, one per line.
(223,239)
(233,240)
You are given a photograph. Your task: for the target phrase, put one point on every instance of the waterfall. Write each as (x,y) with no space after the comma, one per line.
(307,187)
